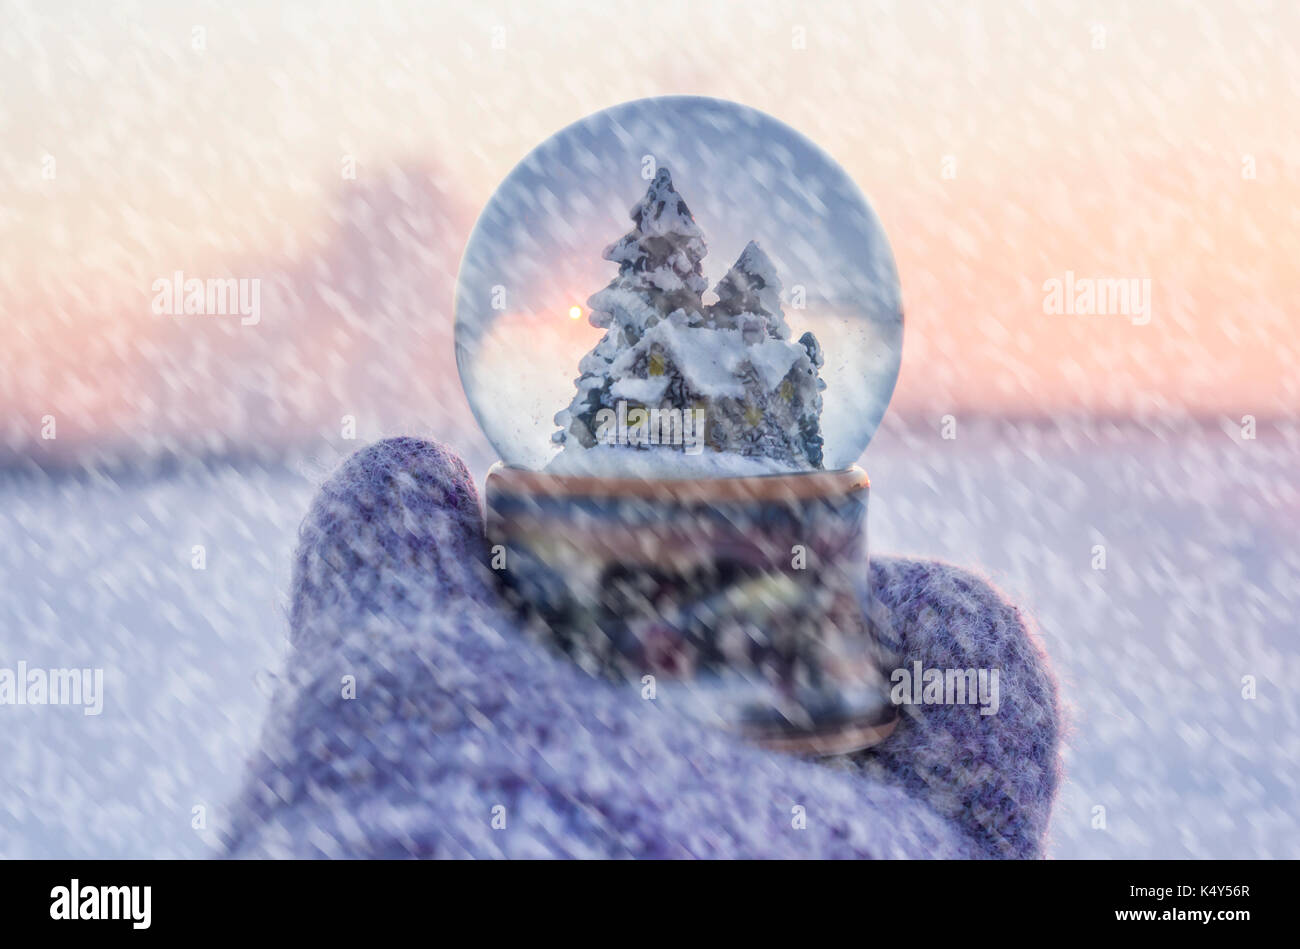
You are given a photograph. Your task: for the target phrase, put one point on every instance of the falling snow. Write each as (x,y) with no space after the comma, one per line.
(1126,477)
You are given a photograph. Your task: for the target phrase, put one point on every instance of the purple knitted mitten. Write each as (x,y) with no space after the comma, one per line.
(416,722)
(994,775)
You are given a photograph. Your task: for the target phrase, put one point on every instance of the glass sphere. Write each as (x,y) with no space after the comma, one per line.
(678,286)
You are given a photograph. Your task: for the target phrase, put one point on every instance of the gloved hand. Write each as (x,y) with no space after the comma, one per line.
(414,721)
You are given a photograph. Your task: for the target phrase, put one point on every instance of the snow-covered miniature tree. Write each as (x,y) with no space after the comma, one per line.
(729,367)
(659,277)
(779,416)
(750,295)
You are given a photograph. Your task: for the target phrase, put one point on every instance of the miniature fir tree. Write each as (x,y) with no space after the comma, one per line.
(779,416)
(659,277)
(750,289)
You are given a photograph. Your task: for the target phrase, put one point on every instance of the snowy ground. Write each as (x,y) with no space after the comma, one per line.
(1200,589)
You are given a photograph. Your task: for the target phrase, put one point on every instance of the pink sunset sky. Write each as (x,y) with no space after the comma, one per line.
(1002,145)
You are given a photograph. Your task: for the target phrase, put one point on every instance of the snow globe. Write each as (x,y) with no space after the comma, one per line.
(677,503)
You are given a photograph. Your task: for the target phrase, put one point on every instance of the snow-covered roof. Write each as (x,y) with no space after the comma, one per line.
(773,358)
(644,391)
(710,360)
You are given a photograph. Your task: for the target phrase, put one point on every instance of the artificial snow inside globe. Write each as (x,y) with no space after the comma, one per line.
(678,503)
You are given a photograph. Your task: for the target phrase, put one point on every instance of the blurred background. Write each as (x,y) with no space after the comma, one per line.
(339,154)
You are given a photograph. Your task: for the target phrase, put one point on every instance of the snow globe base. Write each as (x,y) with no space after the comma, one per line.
(742,601)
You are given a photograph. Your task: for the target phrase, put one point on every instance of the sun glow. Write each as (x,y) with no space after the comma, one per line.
(575,311)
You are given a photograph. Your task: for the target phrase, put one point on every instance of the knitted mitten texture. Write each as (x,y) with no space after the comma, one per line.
(413,720)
